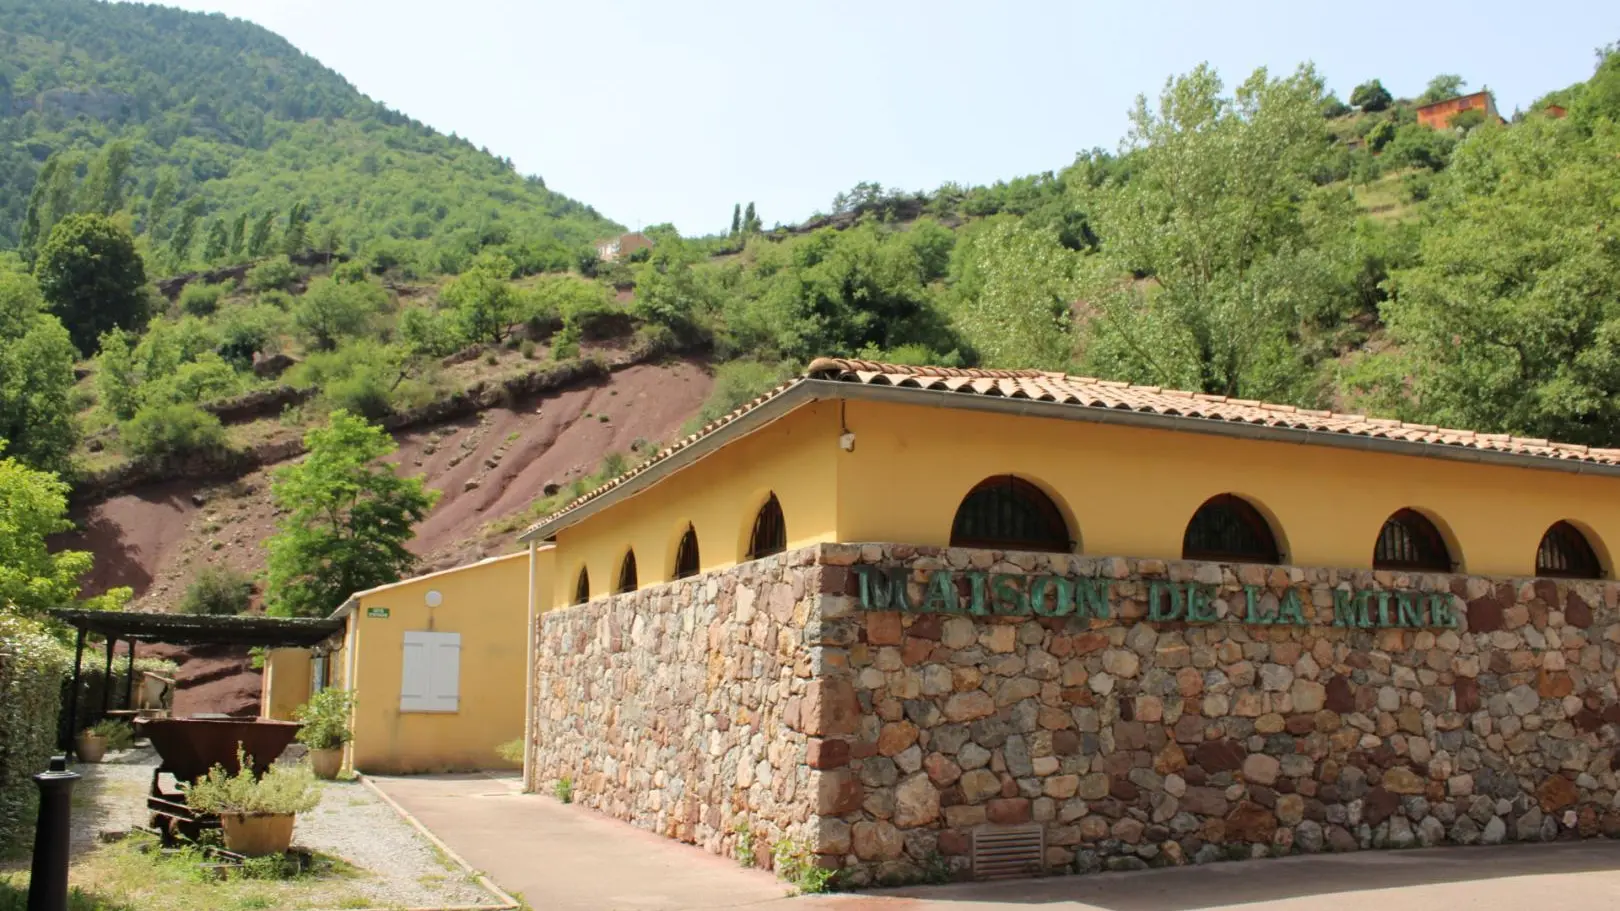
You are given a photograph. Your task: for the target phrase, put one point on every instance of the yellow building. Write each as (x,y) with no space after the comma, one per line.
(436,663)
(862,452)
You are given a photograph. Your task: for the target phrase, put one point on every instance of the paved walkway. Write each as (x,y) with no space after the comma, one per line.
(565,858)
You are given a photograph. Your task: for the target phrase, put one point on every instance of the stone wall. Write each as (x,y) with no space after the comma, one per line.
(1139,743)
(677,707)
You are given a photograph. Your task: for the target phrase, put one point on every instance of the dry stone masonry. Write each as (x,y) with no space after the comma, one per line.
(844,696)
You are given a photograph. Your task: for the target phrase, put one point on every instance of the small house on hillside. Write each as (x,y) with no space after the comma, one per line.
(615,248)
(1437,115)
(436,665)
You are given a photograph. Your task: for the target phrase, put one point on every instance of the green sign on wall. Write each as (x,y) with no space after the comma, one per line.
(1003,594)
(377,612)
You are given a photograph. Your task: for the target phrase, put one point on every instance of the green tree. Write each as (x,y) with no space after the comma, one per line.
(36,376)
(92,278)
(118,379)
(736,219)
(1380,135)
(259,241)
(164,194)
(750,224)
(485,304)
(218,242)
(239,235)
(331,310)
(103,188)
(347,519)
(296,235)
(1371,96)
(180,241)
(50,202)
(1025,284)
(1441,87)
(1215,218)
(33,579)
(1510,320)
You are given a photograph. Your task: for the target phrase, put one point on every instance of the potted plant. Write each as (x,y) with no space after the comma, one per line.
(326,729)
(256,814)
(106,734)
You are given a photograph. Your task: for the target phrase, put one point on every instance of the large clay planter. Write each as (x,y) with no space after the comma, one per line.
(91,747)
(326,763)
(257,836)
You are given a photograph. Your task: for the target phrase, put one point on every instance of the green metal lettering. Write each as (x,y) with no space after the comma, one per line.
(1062,600)
(1364,608)
(1441,612)
(1292,611)
(1091,598)
(1383,609)
(1251,607)
(976,605)
(872,581)
(1200,603)
(1157,593)
(941,593)
(1344,607)
(1408,609)
(1010,599)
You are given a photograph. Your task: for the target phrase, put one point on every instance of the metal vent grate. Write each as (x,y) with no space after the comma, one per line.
(1008,851)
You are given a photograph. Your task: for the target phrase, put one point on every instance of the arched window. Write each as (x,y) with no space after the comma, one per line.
(1008,513)
(1565,552)
(1409,540)
(627,573)
(582,588)
(770,531)
(1227,529)
(686,555)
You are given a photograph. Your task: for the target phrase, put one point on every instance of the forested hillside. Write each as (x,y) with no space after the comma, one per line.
(224,125)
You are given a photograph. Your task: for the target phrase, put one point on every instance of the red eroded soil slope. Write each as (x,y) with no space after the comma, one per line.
(155,539)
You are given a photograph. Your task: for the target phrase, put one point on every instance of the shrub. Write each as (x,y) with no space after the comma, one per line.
(364,392)
(274,274)
(199,299)
(32,668)
(326,719)
(161,431)
(564,789)
(218,591)
(427,331)
(797,865)
(283,789)
(510,751)
(1380,134)
(118,734)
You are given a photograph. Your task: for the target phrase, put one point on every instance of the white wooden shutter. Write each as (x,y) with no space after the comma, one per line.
(430,672)
(446,669)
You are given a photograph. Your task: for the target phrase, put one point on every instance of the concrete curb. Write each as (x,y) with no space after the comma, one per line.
(506,902)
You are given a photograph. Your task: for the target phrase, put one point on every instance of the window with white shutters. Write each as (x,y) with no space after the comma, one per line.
(432,672)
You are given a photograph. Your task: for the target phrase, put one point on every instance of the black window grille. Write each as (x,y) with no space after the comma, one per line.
(686,555)
(1409,540)
(1227,529)
(1009,513)
(1565,552)
(582,588)
(770,531)
(627,573)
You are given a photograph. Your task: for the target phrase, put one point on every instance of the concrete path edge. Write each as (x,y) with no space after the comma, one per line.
(505,902)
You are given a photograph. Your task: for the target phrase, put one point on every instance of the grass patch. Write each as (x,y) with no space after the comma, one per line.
(133,875)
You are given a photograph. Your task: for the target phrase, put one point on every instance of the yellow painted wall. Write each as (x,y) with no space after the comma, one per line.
(487,603)
(720,496)
(286,682)
(1130,491)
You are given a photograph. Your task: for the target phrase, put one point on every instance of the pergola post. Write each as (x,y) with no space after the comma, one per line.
(129,676)
(108,681)
(73,696)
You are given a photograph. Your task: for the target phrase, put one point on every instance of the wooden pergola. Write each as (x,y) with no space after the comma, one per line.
(176,629)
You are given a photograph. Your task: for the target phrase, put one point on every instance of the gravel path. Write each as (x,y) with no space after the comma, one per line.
(398,867)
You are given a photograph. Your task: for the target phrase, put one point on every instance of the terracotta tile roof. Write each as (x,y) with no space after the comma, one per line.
(1089,392)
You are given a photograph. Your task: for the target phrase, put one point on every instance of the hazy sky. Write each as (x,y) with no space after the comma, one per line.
(667,111)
